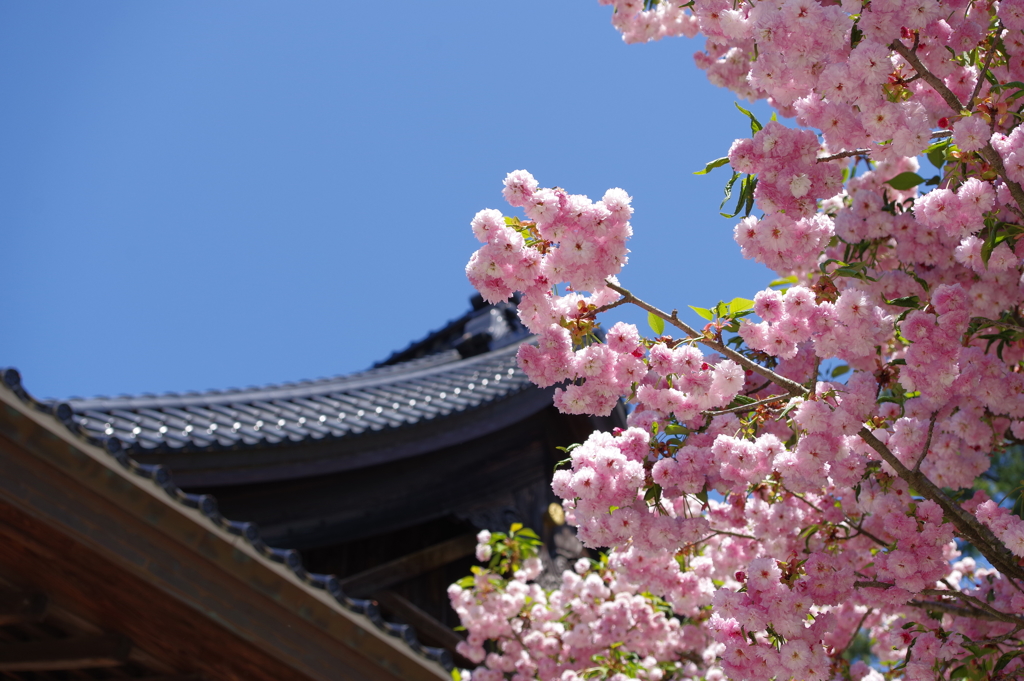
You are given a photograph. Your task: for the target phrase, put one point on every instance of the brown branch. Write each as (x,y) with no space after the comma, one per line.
(790,386)
(987,152)
(747,407)
(609,306)
(978,609)
(969,527)
(872,584)
(910,55)
(954,610)
(857,629)
(844,154)
(1000,639)
(861,531)
(977,604)
(927,443)
(940,134)
(981,77)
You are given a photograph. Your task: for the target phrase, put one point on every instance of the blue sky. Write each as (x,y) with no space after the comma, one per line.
(212,195)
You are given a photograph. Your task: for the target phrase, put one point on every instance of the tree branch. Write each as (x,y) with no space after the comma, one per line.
(790,386)
(987,152)
(844,154)
(910,55)
(954,610)
(747,407)
(857,629)
(927,443)
(977,604)
(981,77)
(940,134)
(978,609)
(969,527)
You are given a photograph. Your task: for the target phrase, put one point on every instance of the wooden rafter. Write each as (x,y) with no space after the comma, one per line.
(81,652)
(19,607)
(391,573)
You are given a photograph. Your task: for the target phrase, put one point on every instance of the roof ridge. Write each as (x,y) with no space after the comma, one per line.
(424,366)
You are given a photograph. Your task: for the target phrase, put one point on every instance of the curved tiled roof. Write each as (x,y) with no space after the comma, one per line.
(386,397)
(459,383)
(425,397)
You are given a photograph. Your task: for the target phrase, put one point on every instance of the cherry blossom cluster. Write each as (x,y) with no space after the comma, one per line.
(790,181)
(849,328)
(555,633)
(1008,527)
(791,480)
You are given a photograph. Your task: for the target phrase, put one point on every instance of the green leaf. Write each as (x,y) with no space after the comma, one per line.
(1012,85)
(793,404)
(737,305)
(722,310)
(527,532)
(785,281)
(749,189)
(856,35)
(906,301)
(755,125)
(1006,658)
(673,429)
(986,250)
(656,323)
(905,181)
(809,531)
(515,528)
(937,153)
(703,312)
(717,163)
(960,672)
(728,191)
(840,370)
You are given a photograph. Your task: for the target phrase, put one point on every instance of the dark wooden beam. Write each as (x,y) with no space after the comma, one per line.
(421,621)
(391,573)
(116,550)
(82,652)
(17,607)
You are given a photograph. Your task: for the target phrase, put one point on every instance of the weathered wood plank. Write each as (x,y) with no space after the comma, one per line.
(420,620)
(81,652)
(391,573)
(107,545)
(17,607)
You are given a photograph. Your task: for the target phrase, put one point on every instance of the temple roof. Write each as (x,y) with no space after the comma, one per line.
(437,385)
(20,413)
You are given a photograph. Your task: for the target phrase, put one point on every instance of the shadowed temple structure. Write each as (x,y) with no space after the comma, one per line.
(298,531)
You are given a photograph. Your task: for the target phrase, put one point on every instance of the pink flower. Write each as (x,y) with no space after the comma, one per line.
(971,133)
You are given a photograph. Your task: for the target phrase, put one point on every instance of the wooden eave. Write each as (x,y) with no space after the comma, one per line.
(115,548)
